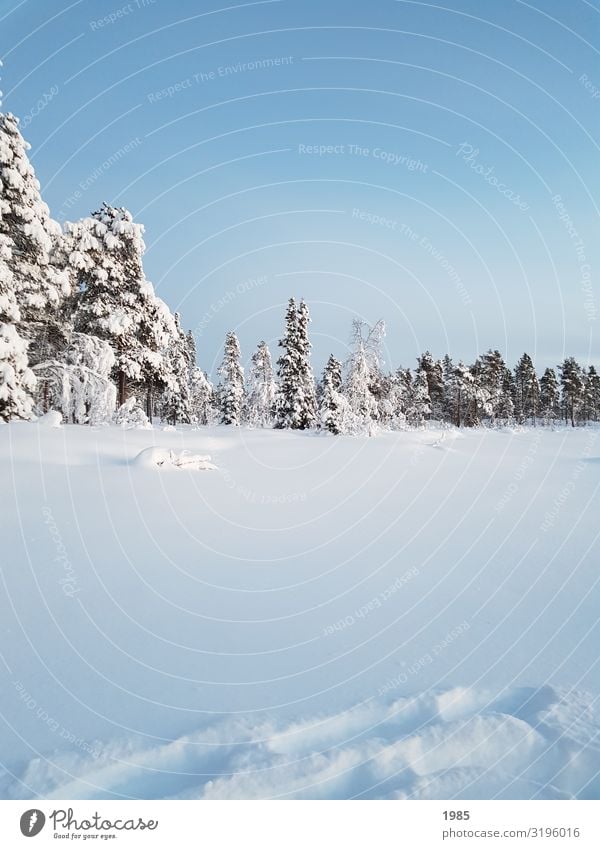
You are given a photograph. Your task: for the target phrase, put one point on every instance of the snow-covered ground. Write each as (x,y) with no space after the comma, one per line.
(413,615)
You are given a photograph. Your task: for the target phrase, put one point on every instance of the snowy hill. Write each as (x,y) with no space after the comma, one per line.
(410,616)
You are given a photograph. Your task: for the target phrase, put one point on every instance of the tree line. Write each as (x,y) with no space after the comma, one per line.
(82,331)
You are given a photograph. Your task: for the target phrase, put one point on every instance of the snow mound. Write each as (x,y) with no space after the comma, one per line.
(51,419)
(166,458)
(460,743)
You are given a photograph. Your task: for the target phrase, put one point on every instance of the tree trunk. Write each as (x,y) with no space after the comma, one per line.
(149,410)
(121,393)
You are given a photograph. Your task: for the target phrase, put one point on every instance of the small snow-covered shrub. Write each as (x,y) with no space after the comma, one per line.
(131,415)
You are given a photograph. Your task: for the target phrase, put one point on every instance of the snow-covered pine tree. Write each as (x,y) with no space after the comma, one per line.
(527,390)
(202,401)
(549,396)
(191,349)
(489,372)
(463,395)
(30,242)
(592,395)
(448,378)
(419,407)
(231,389)
(115,301)
(506,406)
(308,400)
(434,375)
(383,391)
(260,405)
(287,402)
(571,384)
(17,381)
(333,409)
(201,391)
(156,332)
(175,405)
(400,397)
(296,397)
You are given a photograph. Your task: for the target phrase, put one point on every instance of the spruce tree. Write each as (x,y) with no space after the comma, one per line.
(261,388)
(308,401)
(116,302)
(448,378)
(571,384)
(333,407)
(549,396)
(592,393)
(231,388)
(176,399)
(419,407)
(464,395)
(30,245)
(434,374)
(527,390)
(202,397)
(490,372)
(17,381)
(296,397)
(288,404)
(506,408)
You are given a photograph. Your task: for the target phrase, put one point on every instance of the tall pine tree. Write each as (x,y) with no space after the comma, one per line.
(261,388)
(231,389)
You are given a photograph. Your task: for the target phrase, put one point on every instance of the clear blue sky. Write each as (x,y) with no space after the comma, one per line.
(199,117)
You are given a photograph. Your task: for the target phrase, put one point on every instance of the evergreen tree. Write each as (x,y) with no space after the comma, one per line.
(527,390)
(296,401)
(308,411)
(201,391)
(287,402)
(191,351)
(490,377)
(448,379)
(549,396)
(333,408)
(201,397)
(571,384)
(400,396)
(30,242)
(17,381)
(506,407)
(463,394)
(592,394)
(261,388)
(434,374)
(231,388)
(419,405)
(176,400)
(115,302)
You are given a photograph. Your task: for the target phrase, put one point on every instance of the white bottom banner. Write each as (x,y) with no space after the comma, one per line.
(298,824)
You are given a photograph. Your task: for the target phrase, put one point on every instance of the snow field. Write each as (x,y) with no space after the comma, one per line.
(413,615)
